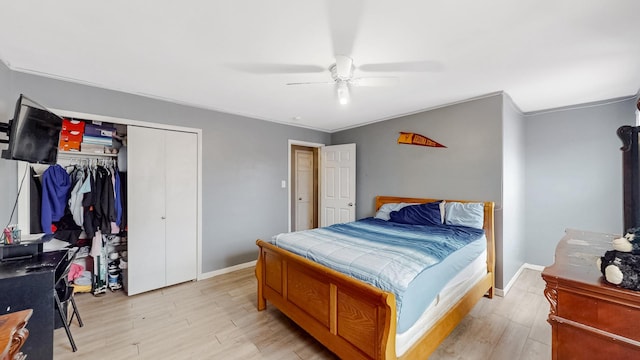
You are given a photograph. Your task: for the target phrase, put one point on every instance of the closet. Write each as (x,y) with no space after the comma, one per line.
(162,206)
(80,201)
(162,166)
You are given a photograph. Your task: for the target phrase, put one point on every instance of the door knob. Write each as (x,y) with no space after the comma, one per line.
(163,217)
(350,204)
(299,198)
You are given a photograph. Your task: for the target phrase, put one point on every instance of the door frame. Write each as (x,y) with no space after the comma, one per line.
(290,143)
(315,156)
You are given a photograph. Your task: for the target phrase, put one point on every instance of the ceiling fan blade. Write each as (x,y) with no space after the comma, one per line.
(344,21)
(268,68)
(313,83)
(410,66)
(374,81)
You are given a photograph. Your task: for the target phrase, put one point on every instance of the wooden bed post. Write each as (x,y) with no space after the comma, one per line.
(489,223)
(262,302)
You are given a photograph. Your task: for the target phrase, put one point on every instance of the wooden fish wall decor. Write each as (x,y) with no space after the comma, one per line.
(417,139)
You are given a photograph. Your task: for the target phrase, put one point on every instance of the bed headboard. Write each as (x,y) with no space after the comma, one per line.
(488,207)
(488,225)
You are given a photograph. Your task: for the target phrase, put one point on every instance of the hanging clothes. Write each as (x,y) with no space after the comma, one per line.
(123,200)
(76,196)
(96,244)
(67,229)
(105,200)
(115,229)
(56,184)
(118,197)
(89,221)
(84,189)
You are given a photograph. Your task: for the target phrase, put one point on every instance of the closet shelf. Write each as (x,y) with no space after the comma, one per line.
(77,154)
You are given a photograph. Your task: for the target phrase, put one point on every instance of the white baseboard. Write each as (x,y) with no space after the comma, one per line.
(533,267)
(227,270)
(503,292)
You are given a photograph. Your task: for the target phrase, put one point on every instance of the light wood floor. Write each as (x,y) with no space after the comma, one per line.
(217,319)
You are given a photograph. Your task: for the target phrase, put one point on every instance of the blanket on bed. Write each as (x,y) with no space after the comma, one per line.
(385,254)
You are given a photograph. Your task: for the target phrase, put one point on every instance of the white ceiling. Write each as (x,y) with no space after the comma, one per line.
(237,56)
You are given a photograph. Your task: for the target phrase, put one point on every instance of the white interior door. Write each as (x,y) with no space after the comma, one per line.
(338,184)
(304,189)
(146,209)
(181,206)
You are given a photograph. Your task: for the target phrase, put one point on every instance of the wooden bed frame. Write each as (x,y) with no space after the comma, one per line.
(351,318)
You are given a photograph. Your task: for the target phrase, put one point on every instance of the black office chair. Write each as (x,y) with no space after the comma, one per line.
(63,294)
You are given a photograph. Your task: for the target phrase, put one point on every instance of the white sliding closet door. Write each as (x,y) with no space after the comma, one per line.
(145,209)
(162,208)
(181,206)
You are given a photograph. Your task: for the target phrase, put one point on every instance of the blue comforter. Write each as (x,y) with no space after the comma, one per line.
(390,256)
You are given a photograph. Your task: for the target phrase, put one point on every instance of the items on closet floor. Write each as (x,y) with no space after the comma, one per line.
(82,204)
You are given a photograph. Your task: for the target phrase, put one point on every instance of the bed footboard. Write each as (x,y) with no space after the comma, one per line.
(352,319)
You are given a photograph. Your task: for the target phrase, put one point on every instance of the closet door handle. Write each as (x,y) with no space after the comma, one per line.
(163,217)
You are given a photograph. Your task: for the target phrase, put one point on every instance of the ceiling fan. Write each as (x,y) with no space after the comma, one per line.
(342,75)
(343,25)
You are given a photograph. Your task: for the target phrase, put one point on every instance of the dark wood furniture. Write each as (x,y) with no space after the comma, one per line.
(13,334)
(27,284)
(351,318)
(590,319)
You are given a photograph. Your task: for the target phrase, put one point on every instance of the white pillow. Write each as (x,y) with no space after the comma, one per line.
(465,214)
(386,209)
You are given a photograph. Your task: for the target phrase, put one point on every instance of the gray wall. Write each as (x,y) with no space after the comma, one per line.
(574,173)
(571,177)
(469,168)
(8,169)
(512,213)
(244,161)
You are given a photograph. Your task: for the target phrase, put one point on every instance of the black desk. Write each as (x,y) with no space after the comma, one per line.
(22,289)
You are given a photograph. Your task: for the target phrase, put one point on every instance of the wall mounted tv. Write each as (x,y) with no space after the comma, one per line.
(33,133)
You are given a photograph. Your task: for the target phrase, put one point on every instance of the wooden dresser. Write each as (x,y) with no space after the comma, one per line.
(13,334)
(590,319)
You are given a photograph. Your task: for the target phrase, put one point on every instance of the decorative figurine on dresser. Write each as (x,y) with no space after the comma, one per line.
(590,317)
(621,266)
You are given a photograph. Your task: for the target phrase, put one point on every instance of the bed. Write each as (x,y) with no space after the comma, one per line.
(352,318)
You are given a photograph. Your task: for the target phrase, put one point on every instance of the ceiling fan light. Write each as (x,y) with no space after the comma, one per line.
(343,93)
(343,67)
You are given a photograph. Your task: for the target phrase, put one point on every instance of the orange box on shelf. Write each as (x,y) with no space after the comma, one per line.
(73,125)
(73,135)
(69,145)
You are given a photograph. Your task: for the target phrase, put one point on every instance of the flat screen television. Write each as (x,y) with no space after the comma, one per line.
(33,132)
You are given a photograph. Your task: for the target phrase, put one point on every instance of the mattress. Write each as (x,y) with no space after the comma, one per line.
(452,292)
(424,289)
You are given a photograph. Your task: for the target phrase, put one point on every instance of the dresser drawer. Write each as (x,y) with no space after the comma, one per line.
(579,344)
(616,318)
